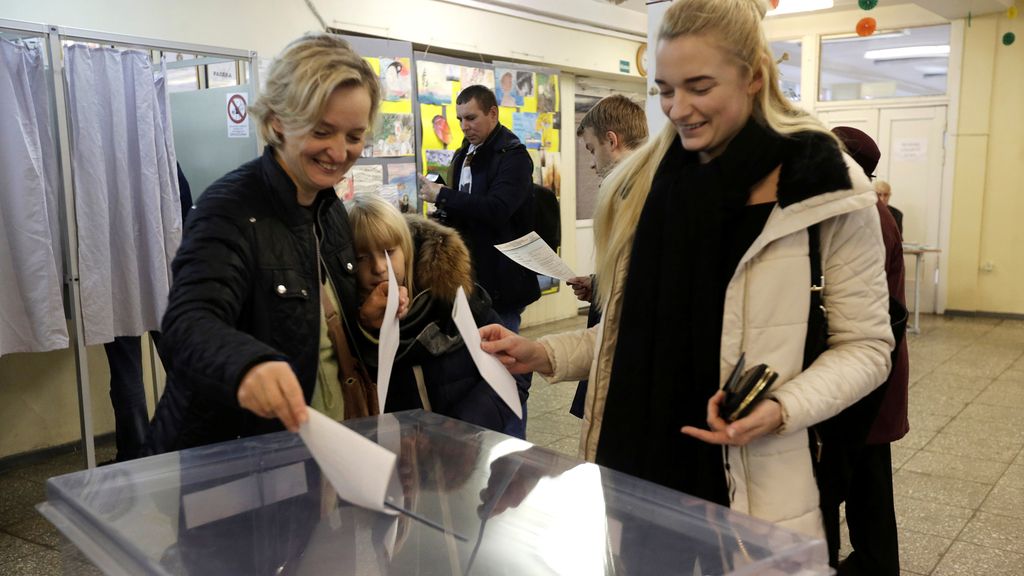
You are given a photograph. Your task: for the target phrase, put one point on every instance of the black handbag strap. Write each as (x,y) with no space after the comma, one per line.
(817,318)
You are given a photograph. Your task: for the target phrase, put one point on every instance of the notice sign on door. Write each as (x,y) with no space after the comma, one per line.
(238,114)
(911,149)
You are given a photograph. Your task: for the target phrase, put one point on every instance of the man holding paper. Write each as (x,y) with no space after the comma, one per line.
(490,202)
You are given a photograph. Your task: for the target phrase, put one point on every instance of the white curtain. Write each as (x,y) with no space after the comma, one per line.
(31,308)
(126,189)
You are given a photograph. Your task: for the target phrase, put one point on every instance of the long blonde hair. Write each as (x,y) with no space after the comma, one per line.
(736,25)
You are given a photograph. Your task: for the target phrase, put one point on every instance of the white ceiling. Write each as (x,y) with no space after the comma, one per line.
(950,9)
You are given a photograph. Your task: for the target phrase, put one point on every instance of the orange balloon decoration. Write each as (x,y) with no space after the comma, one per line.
(866,26)
(775,4)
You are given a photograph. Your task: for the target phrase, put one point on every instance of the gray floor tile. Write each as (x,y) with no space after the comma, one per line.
(951,382)
(13,548)
(1003,393)
(921,552)
(916,439)
(17,497)
(952,466)
(1006,500)
(970,425)
(995,531)
(1013,477)
(952,442)
(540,438)
(944,399)
(1012,376)
(36,529)
(559,425)
(900,455)
(569,446)
(46,563)
(921,418)
(950,491)
(970,365)
(929,517)
(965,559)
(996,414)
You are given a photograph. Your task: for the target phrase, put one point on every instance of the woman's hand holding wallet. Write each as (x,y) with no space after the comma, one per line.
(736,414)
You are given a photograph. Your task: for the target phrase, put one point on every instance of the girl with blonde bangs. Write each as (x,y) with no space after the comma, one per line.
(433,369)
(702,241)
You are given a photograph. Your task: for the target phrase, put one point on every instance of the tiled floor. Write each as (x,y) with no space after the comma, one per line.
(958,475)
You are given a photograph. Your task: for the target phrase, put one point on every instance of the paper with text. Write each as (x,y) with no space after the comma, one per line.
(532,252)
(492,370)
(387,344)
(358,468)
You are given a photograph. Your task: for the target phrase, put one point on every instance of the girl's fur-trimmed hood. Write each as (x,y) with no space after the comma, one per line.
(442,262)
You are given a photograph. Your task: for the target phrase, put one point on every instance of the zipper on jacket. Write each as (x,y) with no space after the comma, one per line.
(322,273)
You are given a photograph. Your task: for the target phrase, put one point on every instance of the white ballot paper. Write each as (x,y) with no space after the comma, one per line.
(387,345)
(532,252)
(490,368)
(359,469)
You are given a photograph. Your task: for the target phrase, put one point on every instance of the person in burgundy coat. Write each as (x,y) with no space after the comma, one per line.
(870,514)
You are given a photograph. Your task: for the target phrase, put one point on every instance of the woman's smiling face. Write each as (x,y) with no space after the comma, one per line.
(706,94)
(320,158)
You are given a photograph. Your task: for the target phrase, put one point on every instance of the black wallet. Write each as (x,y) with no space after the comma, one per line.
(745,389)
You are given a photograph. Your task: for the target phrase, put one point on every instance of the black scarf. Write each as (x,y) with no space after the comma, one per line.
(688,242)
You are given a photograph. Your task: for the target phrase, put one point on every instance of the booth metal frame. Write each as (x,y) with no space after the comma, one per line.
(54,36)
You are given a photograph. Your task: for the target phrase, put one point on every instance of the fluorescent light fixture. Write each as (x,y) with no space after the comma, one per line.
(794,6)
(903,52)
(875,36)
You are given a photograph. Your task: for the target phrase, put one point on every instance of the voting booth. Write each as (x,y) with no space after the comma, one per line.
(465,501)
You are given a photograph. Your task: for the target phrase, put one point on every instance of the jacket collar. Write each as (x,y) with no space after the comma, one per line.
(500,139)
(812,189)
(284,193)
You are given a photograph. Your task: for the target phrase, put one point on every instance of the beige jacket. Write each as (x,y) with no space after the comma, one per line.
(766,307)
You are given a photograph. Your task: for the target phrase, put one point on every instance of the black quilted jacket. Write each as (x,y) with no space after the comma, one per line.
(245,291)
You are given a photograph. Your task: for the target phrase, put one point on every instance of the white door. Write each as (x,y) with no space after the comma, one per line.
(911,142)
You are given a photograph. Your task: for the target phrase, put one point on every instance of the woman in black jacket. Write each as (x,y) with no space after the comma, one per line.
(432,369)
(241,335)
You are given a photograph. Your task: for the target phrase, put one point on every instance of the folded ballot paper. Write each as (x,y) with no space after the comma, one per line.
(361,471)
(492,370)
(532,252)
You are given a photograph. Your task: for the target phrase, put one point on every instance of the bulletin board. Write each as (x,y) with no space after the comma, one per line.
(528,104)
(388,164)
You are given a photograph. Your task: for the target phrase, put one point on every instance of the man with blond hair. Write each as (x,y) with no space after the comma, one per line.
(611,130)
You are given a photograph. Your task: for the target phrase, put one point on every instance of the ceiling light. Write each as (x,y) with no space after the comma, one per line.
(794,6)
(903,52)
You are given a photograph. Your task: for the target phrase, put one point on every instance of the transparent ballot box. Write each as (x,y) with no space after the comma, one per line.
(471,502)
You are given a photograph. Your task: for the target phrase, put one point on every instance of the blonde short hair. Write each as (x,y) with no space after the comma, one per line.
(303,77)
(377,224)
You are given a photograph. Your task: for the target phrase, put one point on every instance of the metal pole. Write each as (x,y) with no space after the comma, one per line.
(72,278)
(917,292)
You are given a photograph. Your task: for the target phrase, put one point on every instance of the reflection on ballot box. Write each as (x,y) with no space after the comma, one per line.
(469,501)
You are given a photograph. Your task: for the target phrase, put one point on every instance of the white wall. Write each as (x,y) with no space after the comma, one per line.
(38,395)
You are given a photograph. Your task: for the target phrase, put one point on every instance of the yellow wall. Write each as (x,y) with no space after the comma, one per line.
(988,188)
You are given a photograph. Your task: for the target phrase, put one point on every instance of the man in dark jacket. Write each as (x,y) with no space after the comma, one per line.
(490,201)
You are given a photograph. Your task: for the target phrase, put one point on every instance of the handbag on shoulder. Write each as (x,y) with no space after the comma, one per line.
(358,390)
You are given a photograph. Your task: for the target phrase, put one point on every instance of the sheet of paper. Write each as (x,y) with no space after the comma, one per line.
(358,468)
(387,345)
(490,368)
(532,252)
